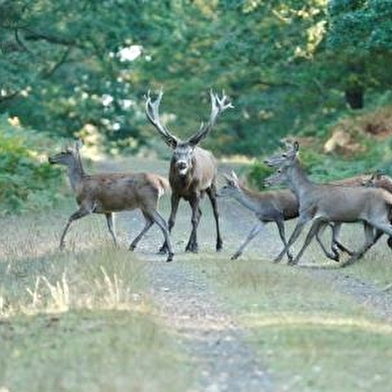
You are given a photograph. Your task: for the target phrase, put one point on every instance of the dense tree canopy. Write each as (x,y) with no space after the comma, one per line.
(290,66)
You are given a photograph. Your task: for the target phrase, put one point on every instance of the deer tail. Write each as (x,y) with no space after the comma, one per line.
(164,186)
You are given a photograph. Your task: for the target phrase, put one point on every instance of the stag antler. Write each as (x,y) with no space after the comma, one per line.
(218,105)
(152,112)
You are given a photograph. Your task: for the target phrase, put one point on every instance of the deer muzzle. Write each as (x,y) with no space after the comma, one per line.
(182,167)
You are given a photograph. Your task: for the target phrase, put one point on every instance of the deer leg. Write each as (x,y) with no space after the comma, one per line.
(373,237)
(389,242)
(192,245)
(311,233)
(147,226)
(76,215)
(252,234)
(211,192)
(370,240)
(280,224)
(110,222)
(336,244)
(294,236)
(175,200)
(334,255)
(158,219)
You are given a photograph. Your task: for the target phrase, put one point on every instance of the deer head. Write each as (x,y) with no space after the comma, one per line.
(372,181)
(277,178)
(69,157)
(183,151)
(285,158)
(231,187)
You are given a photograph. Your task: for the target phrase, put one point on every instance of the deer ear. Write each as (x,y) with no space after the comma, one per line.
(234,176)
(296,146)
(227,178)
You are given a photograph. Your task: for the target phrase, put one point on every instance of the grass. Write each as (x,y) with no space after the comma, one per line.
(81,319)
(311,336)
(88,351)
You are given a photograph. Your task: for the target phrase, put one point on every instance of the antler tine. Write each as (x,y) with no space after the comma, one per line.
(152,112)
(223,105)
(218,105)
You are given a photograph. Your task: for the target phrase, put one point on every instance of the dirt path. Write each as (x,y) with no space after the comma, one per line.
(190,307)
(209,333)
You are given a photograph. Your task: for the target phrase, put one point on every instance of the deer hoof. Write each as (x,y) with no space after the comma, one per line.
(235,256)
(162,250)
(132,247)
(192,248)
(170,257)
(348,262)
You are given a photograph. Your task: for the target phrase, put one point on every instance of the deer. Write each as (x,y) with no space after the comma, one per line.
(324,203)
(270,206)
(193,170)
(378,180)
(108,193)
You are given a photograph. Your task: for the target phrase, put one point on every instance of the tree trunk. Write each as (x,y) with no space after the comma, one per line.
(355,97)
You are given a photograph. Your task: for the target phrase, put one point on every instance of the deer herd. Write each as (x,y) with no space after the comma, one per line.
(193,173)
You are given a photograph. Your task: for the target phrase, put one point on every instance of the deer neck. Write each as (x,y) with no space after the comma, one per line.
(76,173)
(247,198)
(298,180)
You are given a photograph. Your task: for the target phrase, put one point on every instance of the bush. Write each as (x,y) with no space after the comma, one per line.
(27,182)
(258,172)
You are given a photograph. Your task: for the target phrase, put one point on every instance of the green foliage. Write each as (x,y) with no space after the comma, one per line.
(26,181)
(286,65)
(257,173)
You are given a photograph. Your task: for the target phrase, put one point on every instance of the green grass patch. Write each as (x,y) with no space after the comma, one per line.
(81,319)
(326,353)
(89,351)
(311,337)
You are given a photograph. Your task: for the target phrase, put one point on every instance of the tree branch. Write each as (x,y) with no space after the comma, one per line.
(32,35)
(47,74)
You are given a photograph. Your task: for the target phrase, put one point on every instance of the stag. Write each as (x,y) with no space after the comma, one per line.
(113,192)
(324,203)
(270,206)
(192,170)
